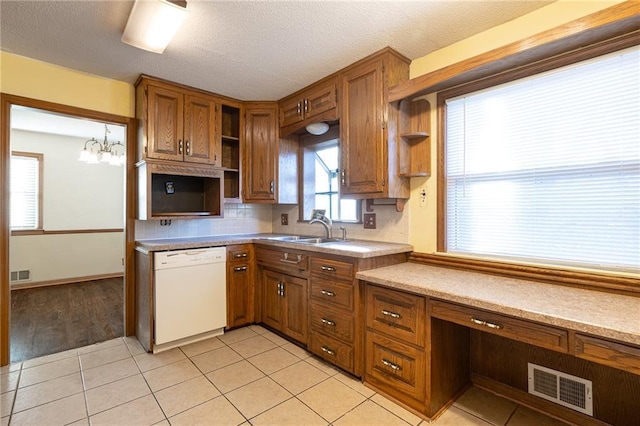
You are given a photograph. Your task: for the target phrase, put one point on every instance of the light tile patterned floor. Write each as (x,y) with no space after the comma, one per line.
(247,376)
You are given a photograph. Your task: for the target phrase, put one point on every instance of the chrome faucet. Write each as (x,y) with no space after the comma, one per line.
(323,221)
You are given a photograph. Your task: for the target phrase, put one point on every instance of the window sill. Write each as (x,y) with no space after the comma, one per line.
(596,280)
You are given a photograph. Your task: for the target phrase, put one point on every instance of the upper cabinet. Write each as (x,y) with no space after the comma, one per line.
(368,128)
(317,102)
(261,152)
(178,124)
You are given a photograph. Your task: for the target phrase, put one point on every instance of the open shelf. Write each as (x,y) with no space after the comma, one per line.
(231,158)
(414,141)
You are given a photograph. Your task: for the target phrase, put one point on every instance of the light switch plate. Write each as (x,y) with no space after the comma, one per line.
(369,221)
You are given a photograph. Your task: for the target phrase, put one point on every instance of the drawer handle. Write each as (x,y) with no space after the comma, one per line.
(239,255)
(391,314)
(240,268)
(391,365)
(328,322)
(287,260)
(328,351)
(328,268)
(486,323)
(328,293)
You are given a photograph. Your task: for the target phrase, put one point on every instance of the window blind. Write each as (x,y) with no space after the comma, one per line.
(24,192)
(547,168)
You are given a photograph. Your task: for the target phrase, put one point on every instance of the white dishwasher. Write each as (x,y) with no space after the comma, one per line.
(190,296)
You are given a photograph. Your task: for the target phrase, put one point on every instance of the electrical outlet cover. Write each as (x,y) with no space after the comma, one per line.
(369,221)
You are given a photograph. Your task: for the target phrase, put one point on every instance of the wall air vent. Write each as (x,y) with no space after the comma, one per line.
(561,388)
(20,276)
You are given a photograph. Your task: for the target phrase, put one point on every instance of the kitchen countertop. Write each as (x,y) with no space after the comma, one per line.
(598,313)
(351,248)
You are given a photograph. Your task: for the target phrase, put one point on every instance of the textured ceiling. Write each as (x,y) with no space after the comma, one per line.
(249,50)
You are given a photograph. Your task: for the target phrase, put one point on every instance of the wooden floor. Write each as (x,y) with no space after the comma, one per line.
(53,319)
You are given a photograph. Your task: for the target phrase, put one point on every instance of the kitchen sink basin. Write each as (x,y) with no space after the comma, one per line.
(288,238)
(318,240)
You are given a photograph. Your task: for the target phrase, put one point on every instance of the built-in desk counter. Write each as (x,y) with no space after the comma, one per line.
(486,330)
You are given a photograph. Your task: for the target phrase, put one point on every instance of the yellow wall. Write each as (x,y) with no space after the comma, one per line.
(423,217)
(39,80)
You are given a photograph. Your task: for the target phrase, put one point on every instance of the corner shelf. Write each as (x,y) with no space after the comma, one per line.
(414,138)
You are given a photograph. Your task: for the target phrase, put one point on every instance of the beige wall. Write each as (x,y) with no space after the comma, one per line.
(39,80)
(422,216)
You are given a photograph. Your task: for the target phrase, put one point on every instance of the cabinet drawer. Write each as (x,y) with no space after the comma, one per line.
(613,354)
(396,314)
(288,261)
(332,322)
(395,367)
(332,350)
(331,269)
(512,328)
(332,293)
(239,253)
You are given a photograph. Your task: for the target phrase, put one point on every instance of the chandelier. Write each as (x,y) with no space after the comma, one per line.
(96,152)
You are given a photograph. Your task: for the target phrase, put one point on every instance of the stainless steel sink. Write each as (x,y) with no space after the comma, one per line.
(288,238)
(318,240)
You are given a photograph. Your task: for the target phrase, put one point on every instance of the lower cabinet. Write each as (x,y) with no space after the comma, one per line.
(284,304)
(419,361)
(240,285)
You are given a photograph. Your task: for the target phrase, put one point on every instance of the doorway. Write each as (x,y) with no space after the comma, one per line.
(90,228)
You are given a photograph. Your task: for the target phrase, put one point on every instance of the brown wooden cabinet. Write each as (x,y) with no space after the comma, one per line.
(335,331)
(284,291)
(261,153)
(317,102)
(269,162)
(240,285)
(177,124)
(368,128)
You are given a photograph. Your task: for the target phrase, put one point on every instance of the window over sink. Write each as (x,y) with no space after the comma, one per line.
(320,156)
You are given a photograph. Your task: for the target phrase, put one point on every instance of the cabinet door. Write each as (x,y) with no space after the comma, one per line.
(319,99)
(261,155)
(272,299)
(239,294)
(290,111)
(201,144)
(361,129)
(295,308)
(165,124)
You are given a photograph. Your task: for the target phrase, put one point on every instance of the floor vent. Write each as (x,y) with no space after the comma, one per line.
(19,276)
(561,388)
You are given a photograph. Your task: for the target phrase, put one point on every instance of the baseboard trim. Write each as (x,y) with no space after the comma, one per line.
(533,402)
(22,286)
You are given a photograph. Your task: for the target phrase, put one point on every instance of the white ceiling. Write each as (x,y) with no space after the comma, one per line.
(249,50)
(35,120)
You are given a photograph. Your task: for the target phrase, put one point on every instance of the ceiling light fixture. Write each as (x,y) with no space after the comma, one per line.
(153,23)
(319,128)
(104,151)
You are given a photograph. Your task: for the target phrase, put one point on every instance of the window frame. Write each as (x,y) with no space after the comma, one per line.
(321,141)
(563,274)
(39,228)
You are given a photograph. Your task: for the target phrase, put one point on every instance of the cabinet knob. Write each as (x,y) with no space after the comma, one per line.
(328,293)
(272,187)
(240,268)
(343,177)
(180,146)
(328,268)
(188,152)
(306,106)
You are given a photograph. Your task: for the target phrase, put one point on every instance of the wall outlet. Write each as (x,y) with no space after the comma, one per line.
(284,219)
(369,221)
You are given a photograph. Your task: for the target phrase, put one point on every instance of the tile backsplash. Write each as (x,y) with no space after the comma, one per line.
(392,226)
(238,219)
(256,218)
